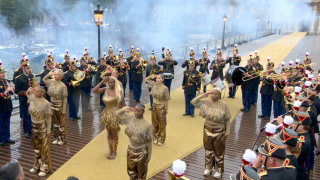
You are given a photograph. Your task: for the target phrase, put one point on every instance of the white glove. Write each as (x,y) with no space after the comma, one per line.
(197,92)
(147,84)
(183,90)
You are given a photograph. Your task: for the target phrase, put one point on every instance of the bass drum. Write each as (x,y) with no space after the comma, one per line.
(234,75)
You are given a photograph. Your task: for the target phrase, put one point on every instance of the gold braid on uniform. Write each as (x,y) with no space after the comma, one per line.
(158,91)
(139,130)
(40,109)
(57,90)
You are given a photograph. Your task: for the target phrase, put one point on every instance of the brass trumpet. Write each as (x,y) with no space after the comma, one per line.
(251,76)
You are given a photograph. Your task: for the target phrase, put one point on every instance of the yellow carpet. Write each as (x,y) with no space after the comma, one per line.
(184,134)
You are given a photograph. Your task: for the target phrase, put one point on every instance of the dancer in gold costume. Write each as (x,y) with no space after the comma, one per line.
(58,92)
(41,113)
(139,131)
(160,95)
(113,100)
(216,129)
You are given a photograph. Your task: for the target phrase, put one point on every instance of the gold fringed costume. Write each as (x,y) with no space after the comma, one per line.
(108,115)
(40,112)
(139,150)
(217,124)
(58,92)
(160,95)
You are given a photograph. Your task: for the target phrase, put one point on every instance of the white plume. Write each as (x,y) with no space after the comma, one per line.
(288,120)
(179,167)
(249,155)
(271,128)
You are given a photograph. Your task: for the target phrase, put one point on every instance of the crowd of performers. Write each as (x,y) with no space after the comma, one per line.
(294,93)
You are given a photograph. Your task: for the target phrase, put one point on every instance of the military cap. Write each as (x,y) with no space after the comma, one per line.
(273,148)
(137,53)
(152,56)
(219,52)
(110,50)
(301,117)
(235,48)
(245,173)
(120,53)
(287,136)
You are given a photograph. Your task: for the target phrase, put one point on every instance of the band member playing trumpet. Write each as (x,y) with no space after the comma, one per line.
(66,61)
(139,132)
(307,62)
(152,69)
(101,69)
(85,84)
(48,67)
(235,60)
(194,61)
(266,91)
(23,82)
(297,76)
(58,92)
(137,77)
(168,65)
(113,100)
(111,59)
(204,65)
(41,113)
(248,86)
(217,66)
(122,68)
(278,97)
(129,60)
(258,68)
(216,129)
(190,86)
(160,93)
(73,91)
(6,90)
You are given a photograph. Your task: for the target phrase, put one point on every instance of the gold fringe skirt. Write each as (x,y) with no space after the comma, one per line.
(109,119)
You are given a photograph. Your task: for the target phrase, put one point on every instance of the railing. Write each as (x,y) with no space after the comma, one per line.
(181,53)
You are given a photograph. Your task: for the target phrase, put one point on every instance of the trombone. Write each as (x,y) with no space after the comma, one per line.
(251,76)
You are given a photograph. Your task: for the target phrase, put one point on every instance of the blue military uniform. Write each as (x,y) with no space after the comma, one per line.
(122,72)
(168,67)
(233,61)
(204,66)
(247,89)
(191,85)
(73,92)
(137,78)
(5,111)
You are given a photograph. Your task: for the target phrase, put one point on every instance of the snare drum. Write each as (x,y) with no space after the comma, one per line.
(205,79)
(167,75)
(217,83)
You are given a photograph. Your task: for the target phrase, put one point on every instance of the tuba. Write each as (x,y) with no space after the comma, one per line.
(79,76)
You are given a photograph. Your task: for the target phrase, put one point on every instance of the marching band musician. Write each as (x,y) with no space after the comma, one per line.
(101,68)
(297,76)
(85,84)
(235,60)
(122,68)
(137,76)
(65,64)
(301,125)
(41,114)
(248,86)
(216,130)
(259,68)
(18,71)
(161,96)
(306,62)
(48,67)
(152,69)
(73,91)
(204,64)
(58,92)
(22,84)
(266,91)
(111,59)
(168,65)
(191,84)
(129,60)
(278,95)
(194,61)
(217,66)
(6,90)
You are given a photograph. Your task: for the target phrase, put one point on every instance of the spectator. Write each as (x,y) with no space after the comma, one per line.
(11,171)
(72,178)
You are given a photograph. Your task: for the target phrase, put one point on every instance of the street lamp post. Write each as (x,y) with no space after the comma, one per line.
(224,27)
(98,17)
(271,25)
(258,19)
